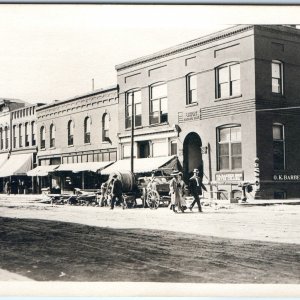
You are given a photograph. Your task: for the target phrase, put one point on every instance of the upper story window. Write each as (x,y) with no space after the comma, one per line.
(1,139)
(229,148)
(133,97)
(14,136)
(277,77)
(33,134)
(26,135)
(20,136)
(6,136)
(191,84)
(70,133)
(52,136)
(105,128)
(43,137)
(87,130)
(228,80)
(278,147)
(158,103)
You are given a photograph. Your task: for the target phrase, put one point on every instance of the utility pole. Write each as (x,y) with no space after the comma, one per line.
(132,132)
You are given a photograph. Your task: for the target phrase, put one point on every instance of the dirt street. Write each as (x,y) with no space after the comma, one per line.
(233,244)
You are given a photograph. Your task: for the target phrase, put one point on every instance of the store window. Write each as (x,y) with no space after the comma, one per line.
(191,85)
(133,97)
(87,130)
(105,128)
(52,136)
(70,133)
(277,77)
(26,135)
(278,147)
(158,104)
(228,80)
(42,137)
(229,148)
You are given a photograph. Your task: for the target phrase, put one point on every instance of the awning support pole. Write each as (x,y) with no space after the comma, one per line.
(132,132)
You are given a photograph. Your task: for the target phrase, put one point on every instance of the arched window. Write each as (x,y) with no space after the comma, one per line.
(229,148)
(20,136)
(26,135)
(1,138)
(42,137)
(14,136)
(228,80)
(278,146)
(33,135)
(158,103)
(105,128)
(87,130)
(277,77)
(6,136)
(191,87)
(70,133)
(52,136)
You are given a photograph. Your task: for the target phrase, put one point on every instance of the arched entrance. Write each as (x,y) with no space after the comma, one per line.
(192,156)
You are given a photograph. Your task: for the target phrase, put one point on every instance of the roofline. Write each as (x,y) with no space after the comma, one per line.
(95,92)
(225,33)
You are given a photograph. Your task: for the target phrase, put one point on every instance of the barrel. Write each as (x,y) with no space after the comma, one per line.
(127,179)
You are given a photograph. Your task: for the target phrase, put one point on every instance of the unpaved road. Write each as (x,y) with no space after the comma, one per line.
(71,243)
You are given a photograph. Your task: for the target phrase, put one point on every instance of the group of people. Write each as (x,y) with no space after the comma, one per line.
(178,189)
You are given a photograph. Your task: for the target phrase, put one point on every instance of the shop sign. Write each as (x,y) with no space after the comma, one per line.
(286,177)
(230,176)
(188,116)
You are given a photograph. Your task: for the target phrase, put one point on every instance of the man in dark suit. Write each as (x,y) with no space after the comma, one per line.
(195,187)
(116,192)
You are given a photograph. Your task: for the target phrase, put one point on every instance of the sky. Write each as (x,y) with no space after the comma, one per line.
(52,52)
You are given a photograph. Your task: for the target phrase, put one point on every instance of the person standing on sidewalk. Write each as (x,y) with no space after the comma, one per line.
(116,192)
(175,191)
(182,204)
(195,187)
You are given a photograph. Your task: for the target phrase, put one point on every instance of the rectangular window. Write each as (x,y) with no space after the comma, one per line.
(158,104)
(228,81)
(191,89)
(33,140)
(20,136)
(173,148)
(229,148)
(277,77)
(1,139)
(278,147)
(126,151)
(134,97)
(14,137)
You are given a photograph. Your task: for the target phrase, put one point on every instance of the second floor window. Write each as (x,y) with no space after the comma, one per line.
(52,136)
(278,147)
(229,148)
(87,130)
(136,98)
(33,135)
(228,80)
(277,78)
(26,135)
(6,136)
(1,139)
(20,136)
(70,133)
(42,137)
(14,136)
(191,82)
(105,128)
(158,104)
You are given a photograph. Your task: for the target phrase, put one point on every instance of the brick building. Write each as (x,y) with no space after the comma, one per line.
(226,103)
(76,138)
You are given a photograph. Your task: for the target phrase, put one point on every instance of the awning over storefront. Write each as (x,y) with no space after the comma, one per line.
(17,164)
(83,167)
(142,165)
(42,170)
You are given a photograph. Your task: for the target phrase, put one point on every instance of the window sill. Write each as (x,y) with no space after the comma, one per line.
(52,148)
(42,149)
(105,142)
(192,104)
(136,127)
(158,124)
(70,146)
(87,144)
(228,98)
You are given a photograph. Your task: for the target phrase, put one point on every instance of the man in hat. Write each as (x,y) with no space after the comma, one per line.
(116,191)
(195,187)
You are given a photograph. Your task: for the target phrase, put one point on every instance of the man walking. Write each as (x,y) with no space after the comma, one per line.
(195,187)
(116,191)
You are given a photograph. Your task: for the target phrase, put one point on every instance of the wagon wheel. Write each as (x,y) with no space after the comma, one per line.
(153,199)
